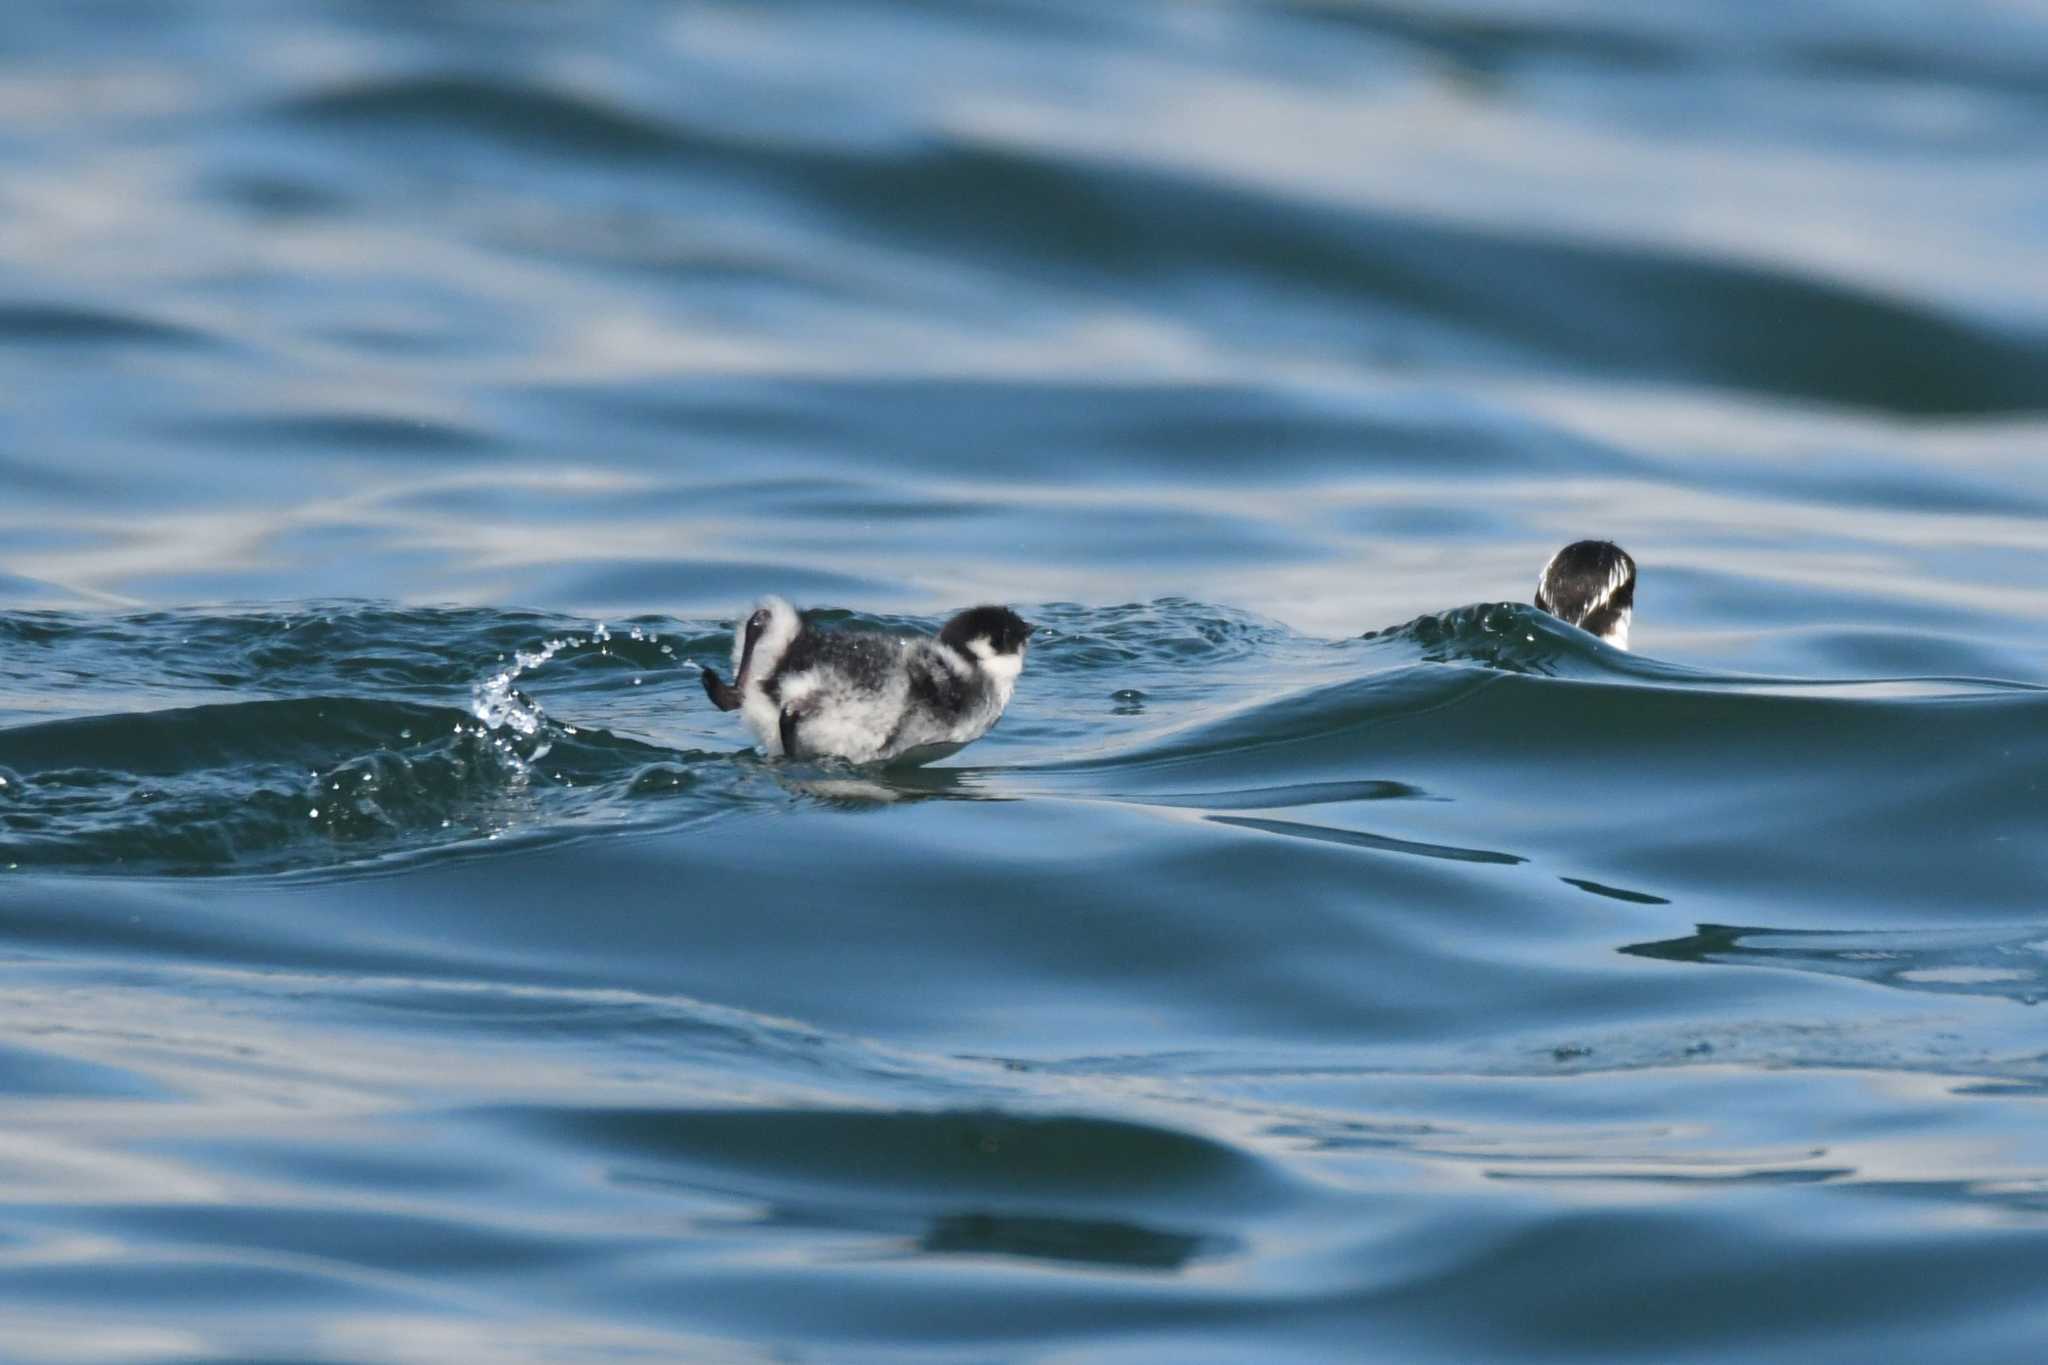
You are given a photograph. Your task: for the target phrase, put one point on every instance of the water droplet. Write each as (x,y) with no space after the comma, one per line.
(313,814)
(405,733)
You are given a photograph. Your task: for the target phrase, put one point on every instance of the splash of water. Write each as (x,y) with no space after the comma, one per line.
(500,705)
(512,718)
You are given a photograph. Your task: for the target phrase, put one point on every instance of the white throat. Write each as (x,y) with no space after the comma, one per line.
(1001,670)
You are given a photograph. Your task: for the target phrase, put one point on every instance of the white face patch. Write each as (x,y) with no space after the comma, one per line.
(1623,572)
(1618,635)
(1000,669)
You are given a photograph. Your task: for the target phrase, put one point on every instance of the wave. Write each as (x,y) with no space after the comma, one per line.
(535,117)
(1489,735)
(1648,312)
(1052,1188)
(307,782)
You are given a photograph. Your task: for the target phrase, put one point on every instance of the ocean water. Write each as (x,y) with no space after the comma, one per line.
(1326,958)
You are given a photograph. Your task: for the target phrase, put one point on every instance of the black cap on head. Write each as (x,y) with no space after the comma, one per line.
(1003,628)
(1589,583)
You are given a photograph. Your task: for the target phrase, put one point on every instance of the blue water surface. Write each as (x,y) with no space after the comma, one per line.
(1326,958)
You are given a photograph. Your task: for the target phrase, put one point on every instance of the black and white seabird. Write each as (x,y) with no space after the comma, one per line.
(1591,584)
(866,696)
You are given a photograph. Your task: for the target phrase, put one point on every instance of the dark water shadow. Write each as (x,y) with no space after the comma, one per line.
(1355,838)
(1037,1236)
(1616,893)
(63,324)
(2010,962)
(1084,1241)
(1294,794)
(1816,1175)
(1053,1189)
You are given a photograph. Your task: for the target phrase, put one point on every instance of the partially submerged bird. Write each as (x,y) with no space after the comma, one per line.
(866,696)
(1591,584)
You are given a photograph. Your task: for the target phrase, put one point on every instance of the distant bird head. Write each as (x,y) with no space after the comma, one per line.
(1591,584)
